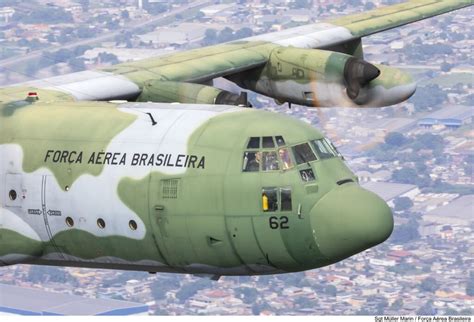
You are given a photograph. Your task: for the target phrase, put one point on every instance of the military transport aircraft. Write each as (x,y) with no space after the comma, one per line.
(147,166)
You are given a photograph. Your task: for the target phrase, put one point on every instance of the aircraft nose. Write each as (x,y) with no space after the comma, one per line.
(348,220)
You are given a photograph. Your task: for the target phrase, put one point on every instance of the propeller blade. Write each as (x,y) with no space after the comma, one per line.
(229,98)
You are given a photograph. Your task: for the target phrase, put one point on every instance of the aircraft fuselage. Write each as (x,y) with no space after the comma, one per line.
(177,188)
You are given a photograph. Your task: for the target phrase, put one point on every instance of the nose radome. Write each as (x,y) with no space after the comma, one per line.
(348,220)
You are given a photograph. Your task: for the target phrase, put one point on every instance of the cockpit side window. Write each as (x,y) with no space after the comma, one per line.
(275,199)
(269,199)
(270,161)
(303,153)
(254,143)
(251,162)
(323,149)
(285,199)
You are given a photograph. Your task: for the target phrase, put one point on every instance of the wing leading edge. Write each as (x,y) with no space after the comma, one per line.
(377,20)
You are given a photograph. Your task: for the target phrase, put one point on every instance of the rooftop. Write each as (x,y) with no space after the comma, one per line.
(26,301)
(460,112)
(390,124)
(388,190)
(460,208)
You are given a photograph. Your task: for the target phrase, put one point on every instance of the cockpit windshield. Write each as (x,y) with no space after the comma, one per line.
(280,141)
(303,153)
(251,161)
(323,149)
(285,158)
(266,153)
(269,153)
(270,161)
(267,142)
(336,151)
(254,143)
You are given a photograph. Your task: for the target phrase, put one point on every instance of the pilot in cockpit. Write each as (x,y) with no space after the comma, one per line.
(253,161)
(285,158)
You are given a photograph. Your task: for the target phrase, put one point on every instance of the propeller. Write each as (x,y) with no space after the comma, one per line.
(357,74)
(229,98)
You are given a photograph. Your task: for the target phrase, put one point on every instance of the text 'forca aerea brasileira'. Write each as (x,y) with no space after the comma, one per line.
(124,159)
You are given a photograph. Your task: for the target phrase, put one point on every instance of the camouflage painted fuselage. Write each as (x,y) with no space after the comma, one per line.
(98,185)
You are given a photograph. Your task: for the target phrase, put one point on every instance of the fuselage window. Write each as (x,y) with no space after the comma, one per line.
(323,149)
(254,143)
(303,153)
(285,158)
(270,161)
(307,175)
(267,142)
(12,195)
(101,223)
(269,199)
(280,141)
(251,161)
(285,199)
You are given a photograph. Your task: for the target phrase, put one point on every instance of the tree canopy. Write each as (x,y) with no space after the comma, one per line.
(429,284)
(406,232)
(395,139)
(402,203)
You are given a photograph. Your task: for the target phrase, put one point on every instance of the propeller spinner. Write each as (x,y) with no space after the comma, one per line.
(357,74)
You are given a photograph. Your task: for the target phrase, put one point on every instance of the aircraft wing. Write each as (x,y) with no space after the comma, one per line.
(198,65)
(203,64)
(269,64)
(365,24)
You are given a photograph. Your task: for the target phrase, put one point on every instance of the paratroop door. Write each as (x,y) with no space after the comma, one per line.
(169,227)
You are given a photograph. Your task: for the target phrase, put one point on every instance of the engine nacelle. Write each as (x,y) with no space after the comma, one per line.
(182,92)
(321,78)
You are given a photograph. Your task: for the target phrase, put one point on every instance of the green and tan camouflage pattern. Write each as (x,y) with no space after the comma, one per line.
(380,19)
(214,225)
(182,92)
(252,62)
